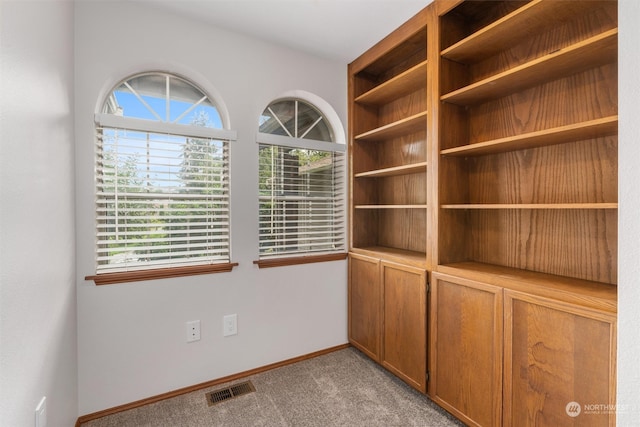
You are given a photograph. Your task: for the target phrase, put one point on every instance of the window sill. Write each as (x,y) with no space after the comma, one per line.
(281,262)
(160,273)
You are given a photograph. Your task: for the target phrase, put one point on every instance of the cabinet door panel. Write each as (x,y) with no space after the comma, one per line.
(466,357)
(555,355)
(365,305)
(405,323)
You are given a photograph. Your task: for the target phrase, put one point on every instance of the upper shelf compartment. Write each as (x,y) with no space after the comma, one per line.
(514,27)
(403,126)
(559,135)
(595,51)
(409,81)
(393,68)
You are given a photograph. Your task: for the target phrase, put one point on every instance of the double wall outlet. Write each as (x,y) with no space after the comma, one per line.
(230,325)
(193,331)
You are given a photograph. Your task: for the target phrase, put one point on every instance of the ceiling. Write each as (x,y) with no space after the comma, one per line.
(334,29)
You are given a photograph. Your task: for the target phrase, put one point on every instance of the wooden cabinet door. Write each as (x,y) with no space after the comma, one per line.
(559,364)
(365,305)
(466,349)
(404,350)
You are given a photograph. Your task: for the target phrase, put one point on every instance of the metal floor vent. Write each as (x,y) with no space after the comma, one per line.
(228,393)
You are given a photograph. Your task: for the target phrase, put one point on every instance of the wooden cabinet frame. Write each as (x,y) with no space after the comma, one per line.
(509,195)
(575,361)
(388,316)
(466,349)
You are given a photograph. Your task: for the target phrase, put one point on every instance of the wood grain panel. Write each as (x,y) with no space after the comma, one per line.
(593,295)
(453,125)
(402,107)
(572,243)
(401,151)
(471,16)
(364,226)
(365,305)
(363,118)
(454,180)
(405,323)
(585,96)
(454,237)
(590,129)
(364,192)
(403,229)
(364,157)
(467,349)
(554,355)
(408,125)
(596,51)
(579,172)
(397,52)
(600,17)
(405,189)
(415,78)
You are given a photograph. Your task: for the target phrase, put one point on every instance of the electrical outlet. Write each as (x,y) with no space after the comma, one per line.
(41,413)
(230,325)
(193,331)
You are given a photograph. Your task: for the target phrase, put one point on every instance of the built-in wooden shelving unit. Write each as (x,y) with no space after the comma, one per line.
(389,183)
(526,246)
(528,136)
(388,117)
(483,145)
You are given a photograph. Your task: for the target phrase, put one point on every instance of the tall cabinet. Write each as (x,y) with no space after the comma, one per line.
(483,160)
(524,293)
(389,189)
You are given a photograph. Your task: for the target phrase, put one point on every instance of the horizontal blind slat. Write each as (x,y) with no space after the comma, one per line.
(161,199)
(302,200)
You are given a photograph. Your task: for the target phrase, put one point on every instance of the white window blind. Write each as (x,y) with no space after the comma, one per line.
(301,201)
(162,200)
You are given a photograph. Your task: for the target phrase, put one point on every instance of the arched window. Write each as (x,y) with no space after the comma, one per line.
(301,181)
(162,178)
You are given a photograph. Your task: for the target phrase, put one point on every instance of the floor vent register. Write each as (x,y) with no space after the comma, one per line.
(228,393)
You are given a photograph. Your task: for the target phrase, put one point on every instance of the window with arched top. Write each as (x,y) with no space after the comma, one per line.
(301,181)
(162,180)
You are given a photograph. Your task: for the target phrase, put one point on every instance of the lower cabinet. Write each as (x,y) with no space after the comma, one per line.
(505,357)
(365,305)
(388,316)
(466,349)
(560,363)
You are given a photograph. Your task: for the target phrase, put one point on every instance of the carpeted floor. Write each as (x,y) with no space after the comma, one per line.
(343,388)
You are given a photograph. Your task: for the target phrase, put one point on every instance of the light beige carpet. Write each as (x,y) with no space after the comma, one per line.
(343,388)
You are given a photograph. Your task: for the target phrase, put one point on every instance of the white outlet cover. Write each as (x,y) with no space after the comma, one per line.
(193,331)
(230,325)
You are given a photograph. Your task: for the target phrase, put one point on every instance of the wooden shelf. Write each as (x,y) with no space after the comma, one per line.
(575,132)
(412,124)
(390,206)
(411,80)
(403,256)
(595,51)
(596,295)
(508,31)
(394,171)
(497,206)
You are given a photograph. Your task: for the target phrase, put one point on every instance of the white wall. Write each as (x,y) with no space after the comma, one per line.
(37,249)
(131,337)
(629,215)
